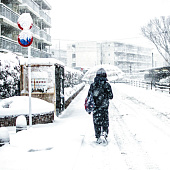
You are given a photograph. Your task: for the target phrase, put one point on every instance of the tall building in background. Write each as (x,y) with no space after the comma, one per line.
(128,58)
(59,54)
(82,54)
(10,10)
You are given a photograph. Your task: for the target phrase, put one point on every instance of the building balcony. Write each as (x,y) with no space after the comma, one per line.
(45,37)
(33,7)
(30,6)
(35,53)
(43,4)
(46,19)
(8,16)
(13,46)
(17,1)
(36,31)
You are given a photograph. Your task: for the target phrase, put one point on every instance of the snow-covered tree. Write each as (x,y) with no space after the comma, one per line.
(158,32)
(9,75)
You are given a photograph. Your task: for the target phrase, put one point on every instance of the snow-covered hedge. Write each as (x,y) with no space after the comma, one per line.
(9,75)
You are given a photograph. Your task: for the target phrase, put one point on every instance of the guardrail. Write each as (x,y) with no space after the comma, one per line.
(143,84)
(162,87)
(148,85)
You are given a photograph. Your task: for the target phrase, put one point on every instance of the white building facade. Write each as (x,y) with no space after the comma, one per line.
(128,58)
(82,54)
(10,10)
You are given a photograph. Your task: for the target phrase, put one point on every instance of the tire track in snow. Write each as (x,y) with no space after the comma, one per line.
(135,155)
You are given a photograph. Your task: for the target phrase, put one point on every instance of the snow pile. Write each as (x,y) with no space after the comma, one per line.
(10,74)
(4,135)
(18,105)
(21,121)
(113,72)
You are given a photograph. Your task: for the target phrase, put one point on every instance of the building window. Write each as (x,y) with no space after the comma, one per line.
(73,65)
(73,55)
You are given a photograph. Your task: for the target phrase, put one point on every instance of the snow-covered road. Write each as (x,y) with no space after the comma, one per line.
(141,130)
(139,136)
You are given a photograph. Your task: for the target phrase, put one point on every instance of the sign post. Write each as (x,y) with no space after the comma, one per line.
(25,39)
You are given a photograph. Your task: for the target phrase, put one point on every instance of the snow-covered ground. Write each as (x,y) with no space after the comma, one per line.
(18,105)
(139,136)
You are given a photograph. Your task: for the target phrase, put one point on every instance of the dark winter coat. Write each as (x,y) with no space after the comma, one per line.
(101,92)
(103,88)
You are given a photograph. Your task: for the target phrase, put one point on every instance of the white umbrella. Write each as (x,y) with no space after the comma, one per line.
(113,72)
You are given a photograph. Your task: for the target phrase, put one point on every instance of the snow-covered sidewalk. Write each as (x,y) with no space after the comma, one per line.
(139,136)
(59,145)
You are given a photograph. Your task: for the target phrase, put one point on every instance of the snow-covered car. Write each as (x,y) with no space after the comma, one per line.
(164,82)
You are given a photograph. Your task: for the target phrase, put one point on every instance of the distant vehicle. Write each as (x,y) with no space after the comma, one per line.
(164,82)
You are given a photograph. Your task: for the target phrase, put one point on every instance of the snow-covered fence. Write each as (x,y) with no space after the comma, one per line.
(146,85)
(149,85)
(162,88)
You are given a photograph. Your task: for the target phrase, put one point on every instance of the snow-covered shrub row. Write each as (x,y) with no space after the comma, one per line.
(72,77)
(9,75)
(70,91)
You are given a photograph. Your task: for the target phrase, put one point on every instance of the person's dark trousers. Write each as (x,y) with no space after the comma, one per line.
(100,119)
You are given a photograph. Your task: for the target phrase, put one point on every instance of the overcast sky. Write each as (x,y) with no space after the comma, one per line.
(95,20)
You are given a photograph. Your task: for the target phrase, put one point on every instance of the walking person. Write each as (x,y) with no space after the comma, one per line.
(101,92)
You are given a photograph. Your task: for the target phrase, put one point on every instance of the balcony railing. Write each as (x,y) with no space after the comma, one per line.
(8,13)
(8,44)
(45,17)
(45,36)
(13,46)
(32,4)
(35,30)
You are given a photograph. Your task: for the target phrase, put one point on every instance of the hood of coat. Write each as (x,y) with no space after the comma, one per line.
(101,76)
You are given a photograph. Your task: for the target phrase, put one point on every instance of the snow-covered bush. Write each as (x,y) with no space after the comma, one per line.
(4,136)
(9,75)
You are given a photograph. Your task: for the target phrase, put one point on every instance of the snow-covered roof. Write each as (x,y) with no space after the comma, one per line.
(42,61)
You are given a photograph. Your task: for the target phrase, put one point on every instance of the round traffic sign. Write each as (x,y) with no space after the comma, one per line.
(25,21)
(25,38)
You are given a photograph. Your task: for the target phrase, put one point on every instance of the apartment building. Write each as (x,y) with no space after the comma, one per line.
(82,54)
(10,10)
(59,54)
(129,58)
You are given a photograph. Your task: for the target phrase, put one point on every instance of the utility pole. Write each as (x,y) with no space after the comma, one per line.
(101,61)
(59,50)
(152,61)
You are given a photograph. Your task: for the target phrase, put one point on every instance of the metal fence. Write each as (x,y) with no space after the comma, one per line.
(8,13)
(148,85)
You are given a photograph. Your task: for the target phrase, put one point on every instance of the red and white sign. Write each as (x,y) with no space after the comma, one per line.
(25,38)
(25,21)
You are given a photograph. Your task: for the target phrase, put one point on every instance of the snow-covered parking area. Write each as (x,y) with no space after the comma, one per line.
(139,136)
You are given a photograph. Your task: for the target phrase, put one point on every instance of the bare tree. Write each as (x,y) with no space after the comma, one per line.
(158,32)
